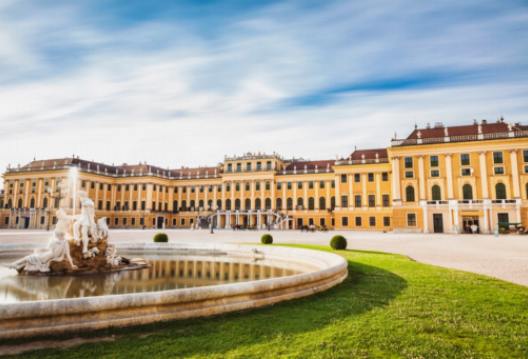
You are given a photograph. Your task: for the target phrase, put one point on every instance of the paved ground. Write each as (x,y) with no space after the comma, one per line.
(504,257)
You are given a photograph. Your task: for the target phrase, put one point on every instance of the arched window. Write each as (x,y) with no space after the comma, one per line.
(300,202)
(289,204)
(436,193)
(228,204)
(409,194)
(192,204)
(258,205)
(248,203)
(267,203)
(201,203)
(467,192)
(278,203)
(184,205)
(237,203)
(210,204)
(218,204)
(500,191)
(9,203)
(332,202)
(45,202)
(322,203)
(311,203)
(20,203)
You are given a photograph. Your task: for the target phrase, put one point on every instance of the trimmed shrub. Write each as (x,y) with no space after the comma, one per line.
(161,238)
(266,239)
(338,242)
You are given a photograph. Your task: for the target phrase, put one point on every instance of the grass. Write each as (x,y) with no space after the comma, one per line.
(389,307)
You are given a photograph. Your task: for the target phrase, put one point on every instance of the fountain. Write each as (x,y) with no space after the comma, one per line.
(78,282)
(78,245)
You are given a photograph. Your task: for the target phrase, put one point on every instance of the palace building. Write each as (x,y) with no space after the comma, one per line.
(437,179)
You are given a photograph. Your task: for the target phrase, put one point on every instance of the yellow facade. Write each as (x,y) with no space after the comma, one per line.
(441,179)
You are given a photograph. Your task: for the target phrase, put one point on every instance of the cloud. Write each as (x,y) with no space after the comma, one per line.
(186,85)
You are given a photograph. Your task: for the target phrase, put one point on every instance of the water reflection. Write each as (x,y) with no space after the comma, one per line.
(163,274)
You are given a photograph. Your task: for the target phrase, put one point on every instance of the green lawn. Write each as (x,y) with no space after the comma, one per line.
(389,306)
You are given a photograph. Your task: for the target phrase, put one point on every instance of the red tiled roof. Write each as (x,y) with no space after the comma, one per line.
(369,154)
(309,165)
(464,130)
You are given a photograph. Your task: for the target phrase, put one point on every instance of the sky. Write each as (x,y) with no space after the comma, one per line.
(183,83)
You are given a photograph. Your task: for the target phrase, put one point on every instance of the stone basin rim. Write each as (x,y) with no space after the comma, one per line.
(326,270)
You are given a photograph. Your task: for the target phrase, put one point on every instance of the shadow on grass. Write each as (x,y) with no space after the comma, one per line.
(366,288)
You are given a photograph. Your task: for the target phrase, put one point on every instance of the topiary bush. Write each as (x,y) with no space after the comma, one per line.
(161,238)
(338,242)
(266,239)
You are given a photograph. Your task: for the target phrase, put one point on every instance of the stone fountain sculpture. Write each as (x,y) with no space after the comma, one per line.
(78,245)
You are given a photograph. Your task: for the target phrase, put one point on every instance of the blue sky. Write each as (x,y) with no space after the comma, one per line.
(183,83)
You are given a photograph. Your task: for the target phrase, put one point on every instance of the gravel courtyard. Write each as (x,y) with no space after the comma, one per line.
(503,257)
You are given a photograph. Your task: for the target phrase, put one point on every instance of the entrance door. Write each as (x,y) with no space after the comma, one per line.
(159,223)
(504,220)
(299,223)
(438,223)
(26,222)
(469,223)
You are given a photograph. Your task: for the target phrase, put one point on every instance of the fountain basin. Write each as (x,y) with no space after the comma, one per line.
(305,272)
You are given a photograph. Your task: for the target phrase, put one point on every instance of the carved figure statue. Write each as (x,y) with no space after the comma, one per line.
(57,250)
(84,224)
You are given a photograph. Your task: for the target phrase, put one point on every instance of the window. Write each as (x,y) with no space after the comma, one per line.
(434,161)
(332,202)
(357,201)
(467,192)
(278,203)
(248,166)
(247,187)
(409,174)
(436,193)
(257,186)
(497,157)
(371,200)
(344,201)
(357,177)
(299,185)
(310,185)
(408,162)
(321,184)
(239,167)
(279,185)
(371,177)
(411,219)
(192,190)
(268,165)
(237,187)
(358,221)
(227,187)
(343,178)
(464,159)
(498,170)
(409,194)
(500,191)
(311,203)
(289,185)
(300,203)
(465,172)
(384,176)
(259,166)
(525,156)
(344,221)
(289,204)
(202,188)
(435,173)
(386,221)
(503,218)
(268,186)
(229,167)
(237,204)
(385,200)
(372,221)
(322,203)
(143,205)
